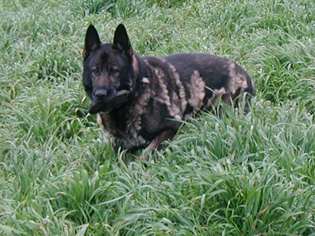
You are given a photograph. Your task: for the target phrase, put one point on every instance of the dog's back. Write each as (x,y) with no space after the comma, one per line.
(198,81)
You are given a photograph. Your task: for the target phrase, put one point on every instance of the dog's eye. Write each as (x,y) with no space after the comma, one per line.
(113,71)
(96,71)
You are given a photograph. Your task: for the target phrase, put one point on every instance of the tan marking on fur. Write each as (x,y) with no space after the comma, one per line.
(167,97)
(216,96)
(236,80)
(197,90)
(238,83)
(163,96)
(175,103)
(180,86)
(181,91)
(188,116)
(100,120)
(134,141)
(135,64)
(137,110)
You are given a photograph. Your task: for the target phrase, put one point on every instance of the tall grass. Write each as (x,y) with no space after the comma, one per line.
(232,174)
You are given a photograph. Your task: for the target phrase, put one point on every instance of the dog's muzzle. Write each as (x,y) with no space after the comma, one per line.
(116,101)
(103,95)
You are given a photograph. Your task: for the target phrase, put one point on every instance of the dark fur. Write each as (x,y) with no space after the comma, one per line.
(156,91)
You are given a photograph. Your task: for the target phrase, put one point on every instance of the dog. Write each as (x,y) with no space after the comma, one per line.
(140,101)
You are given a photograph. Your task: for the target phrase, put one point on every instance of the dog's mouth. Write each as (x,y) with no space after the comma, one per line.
(106,107)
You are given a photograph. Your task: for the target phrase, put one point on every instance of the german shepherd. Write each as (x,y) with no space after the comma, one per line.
(139,101)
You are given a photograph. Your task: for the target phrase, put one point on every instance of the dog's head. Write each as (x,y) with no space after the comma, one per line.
(108,68)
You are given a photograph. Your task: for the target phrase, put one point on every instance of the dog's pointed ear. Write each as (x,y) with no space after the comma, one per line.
(121,41)
(92,41)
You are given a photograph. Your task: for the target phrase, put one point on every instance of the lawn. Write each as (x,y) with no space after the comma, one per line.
(235,174)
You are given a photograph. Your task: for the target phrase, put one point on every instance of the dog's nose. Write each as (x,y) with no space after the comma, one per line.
(103,94)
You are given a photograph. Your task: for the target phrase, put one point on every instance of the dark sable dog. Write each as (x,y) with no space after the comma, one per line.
(138,100)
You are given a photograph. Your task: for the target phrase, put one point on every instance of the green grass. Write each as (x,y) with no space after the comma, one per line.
(230,175)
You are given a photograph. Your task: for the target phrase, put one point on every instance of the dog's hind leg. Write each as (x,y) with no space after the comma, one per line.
(156,142)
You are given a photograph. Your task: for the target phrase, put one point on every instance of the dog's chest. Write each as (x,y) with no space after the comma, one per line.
(123,131)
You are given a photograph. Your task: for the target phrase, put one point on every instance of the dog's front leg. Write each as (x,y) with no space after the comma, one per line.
(155,143)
